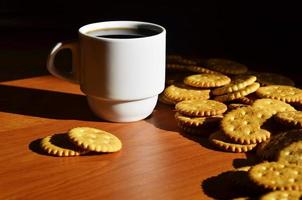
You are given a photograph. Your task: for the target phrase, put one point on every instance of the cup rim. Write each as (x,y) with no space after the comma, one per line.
(125,24)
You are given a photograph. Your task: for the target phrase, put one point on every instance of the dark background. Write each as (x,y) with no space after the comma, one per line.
(265,36)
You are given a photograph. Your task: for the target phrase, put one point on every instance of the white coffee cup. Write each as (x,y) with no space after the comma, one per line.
(121,77)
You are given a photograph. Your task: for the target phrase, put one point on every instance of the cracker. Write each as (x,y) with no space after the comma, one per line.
(270,149)
(220,140)
(226,66)
(277,176)
(272,105)
(280,92)
(282,195)
(238,94)
(197,121)
(163,99)
(291,118)
(237,83)
(200,69)
(207,80)
(291,154)
(59,145)
(267,78)
(94,139)
(176,67)
(195,130)
(178,59)
(243,125)
(177,93)
(200,108)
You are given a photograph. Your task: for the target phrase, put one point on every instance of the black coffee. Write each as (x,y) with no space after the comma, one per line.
(123,33)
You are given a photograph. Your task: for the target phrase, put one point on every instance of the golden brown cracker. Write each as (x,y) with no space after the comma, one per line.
(237,83)
(238,94)
(226,66)
(60,145)
(269,149)
(220,140)
(282,195)
(291,118)
(243,125)
(280,92)
(207,80)
(272,105)
(94,139)
(268,78)
(177,93)
(197,121)
(200,108)
(277,176)
(291,154)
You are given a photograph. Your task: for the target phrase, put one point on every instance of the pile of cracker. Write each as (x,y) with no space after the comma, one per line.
(240,111)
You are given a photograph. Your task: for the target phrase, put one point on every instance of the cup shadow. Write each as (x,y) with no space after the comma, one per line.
(163,118)
(45,104)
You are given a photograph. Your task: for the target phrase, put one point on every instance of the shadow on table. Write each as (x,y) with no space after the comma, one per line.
(234,183)
(46,104)
(35,147)
(231,185)
(163,118)
(202,140)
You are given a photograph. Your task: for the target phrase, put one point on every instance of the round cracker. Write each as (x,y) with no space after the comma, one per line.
(226,66)
(277,176)
(60,145)
(200,108)
(237,83)
(282,195)
(268,78)
(163,99)
(272,106)
(271,148)
(176,67)
(292,154)
(200,69)
(197,121)
(177,93)
(207,80)
(94,139)
(178,59)
(280,92)
(238,94)
(220,140)
(291,118)
(243,125)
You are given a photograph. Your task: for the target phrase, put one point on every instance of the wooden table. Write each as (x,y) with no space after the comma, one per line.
(157,160)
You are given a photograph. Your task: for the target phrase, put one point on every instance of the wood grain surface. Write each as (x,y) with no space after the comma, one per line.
(157,160)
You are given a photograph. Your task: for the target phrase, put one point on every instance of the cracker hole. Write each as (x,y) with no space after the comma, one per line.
(247,132)
(259,115)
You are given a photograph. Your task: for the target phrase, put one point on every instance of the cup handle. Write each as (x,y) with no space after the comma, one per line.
(71,76)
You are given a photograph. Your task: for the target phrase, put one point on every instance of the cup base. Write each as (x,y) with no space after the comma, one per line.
(122,111)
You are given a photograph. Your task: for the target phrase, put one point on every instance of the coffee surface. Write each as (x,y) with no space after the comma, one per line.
(122,33)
